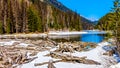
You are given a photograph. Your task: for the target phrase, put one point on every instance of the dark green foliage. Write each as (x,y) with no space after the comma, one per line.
(110,20)
(107,22)
(69,20)
(39,24)
(33,1)
(34,21)
(8,27)
(116,10)
(1,28)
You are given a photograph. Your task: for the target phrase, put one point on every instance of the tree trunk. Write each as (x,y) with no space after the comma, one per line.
(5,14)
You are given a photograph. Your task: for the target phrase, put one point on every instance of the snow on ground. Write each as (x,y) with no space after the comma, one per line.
(8,42)
(42,58)
(75,32)
(94,54)
(67,33)
(23,44)
(115,66)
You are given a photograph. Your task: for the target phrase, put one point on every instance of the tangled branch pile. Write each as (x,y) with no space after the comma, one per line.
(76,46)
(11,58)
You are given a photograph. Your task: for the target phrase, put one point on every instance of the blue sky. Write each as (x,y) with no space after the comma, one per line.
(91,9)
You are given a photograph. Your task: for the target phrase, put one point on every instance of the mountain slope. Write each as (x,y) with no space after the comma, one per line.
(60,6)
(65,9)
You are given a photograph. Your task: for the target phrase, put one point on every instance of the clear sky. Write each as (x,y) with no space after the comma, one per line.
(91,9)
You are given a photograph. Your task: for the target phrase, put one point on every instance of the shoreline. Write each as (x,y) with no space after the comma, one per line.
(51,34)
(40,48)
(95,54)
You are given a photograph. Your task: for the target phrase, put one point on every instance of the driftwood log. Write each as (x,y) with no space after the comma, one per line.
(68,58)
(39,64)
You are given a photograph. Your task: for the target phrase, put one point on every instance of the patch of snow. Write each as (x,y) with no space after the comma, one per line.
(41,58)
(67,33)
(75,65)
(23,44)
(94,54)
(8,43)
(76,32)
(104,44)
(115,66)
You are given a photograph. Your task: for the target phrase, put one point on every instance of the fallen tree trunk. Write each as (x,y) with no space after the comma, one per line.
(70,58)
(66,57)
(39,64)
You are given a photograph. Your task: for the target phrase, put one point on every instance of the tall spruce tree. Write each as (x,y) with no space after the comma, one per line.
(116,10)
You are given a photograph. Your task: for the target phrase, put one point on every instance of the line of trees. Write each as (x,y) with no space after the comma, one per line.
(23,16)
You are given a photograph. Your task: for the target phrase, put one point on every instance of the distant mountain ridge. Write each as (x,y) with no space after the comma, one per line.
(60,6)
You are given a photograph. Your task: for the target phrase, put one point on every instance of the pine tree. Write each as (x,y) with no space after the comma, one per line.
(116,10)
(32,20)
(8,27)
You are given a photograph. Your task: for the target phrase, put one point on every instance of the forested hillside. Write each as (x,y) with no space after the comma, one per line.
(107,22)
(24,16)
(111,21)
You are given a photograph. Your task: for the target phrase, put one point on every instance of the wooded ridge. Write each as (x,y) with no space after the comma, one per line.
(24,16)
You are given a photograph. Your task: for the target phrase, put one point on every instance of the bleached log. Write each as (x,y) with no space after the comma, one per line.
(39,64)
(66,57)
(70,58)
